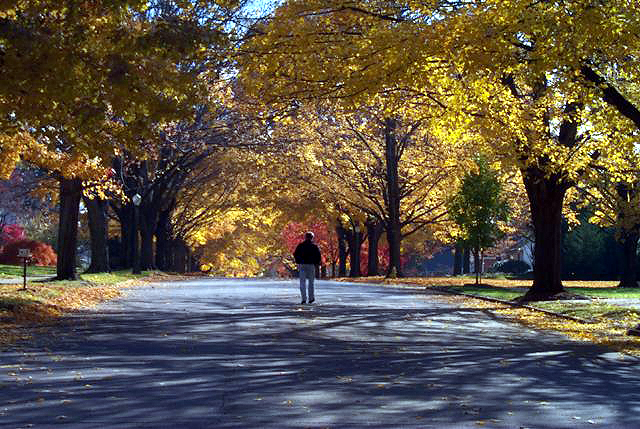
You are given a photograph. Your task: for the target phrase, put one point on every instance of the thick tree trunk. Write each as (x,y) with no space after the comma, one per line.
(476,264)
(457,259)
(394,269)
(163,237)
(70,195)
(342,251)
(466,260)
(629,238)
(147,261)
(135,230)
(147,227)
(181,256)
(546,195)
(99,235)
(126,216)
(194,263)
(355,247)
(126,236)
(374,230)
(394,230)
(628,274)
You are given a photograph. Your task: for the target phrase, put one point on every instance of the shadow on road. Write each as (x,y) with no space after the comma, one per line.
(218,362)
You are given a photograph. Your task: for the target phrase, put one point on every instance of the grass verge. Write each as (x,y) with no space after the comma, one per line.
(32,270)
(44,302)
(610,322)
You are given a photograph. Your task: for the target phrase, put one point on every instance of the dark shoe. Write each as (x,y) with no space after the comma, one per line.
(303,302)
(311,301)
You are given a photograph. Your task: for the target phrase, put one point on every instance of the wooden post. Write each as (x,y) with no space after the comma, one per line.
(25,254)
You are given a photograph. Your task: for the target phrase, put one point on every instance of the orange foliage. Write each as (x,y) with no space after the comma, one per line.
(41,253)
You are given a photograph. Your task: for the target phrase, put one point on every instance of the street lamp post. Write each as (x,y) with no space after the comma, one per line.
(136,200)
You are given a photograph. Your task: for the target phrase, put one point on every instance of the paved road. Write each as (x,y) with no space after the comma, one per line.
(242,353)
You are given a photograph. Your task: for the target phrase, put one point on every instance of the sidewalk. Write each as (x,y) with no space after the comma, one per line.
(19,280)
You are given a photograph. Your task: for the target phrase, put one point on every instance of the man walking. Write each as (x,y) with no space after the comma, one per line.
(307,256)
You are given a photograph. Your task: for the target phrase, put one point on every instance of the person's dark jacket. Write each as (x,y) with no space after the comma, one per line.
(307,253)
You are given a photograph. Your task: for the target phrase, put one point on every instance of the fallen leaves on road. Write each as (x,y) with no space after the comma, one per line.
(44,303)
(459,281)
(607,332)
(610,329)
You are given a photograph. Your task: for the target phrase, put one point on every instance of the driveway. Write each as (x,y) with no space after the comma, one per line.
(220,353)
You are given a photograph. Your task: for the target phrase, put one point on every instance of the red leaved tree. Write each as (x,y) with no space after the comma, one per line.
(41,253)
(383,258)
(10,233)
(325,238)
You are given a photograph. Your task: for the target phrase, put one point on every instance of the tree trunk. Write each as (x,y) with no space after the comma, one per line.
(181,256)
(70,195)
(394,230)
(466,260)
(135,230)
(126,216)
(629,238)
(126,236)
(194,263)
(476,264)
(163,237)
(355,247)
(342,251)
(147,225)
(374,230)
(546,195)
(628,274)
(457,259)
(147,261)
(481,265)
(99,235)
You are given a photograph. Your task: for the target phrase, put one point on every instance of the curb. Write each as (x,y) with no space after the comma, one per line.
(496,300)
(514,304)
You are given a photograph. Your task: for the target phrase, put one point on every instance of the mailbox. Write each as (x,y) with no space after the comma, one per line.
(24,253)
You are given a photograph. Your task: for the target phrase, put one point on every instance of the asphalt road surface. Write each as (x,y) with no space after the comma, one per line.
(221,353)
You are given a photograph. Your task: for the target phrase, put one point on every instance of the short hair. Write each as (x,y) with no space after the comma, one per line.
(308,235)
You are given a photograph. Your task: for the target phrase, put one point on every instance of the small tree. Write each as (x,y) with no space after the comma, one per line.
(477,209)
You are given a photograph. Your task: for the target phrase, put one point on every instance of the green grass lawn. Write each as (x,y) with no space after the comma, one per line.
(606,323)
(584,310)
(606,292)
(506,294)
(10,271)
(589,310)
(113,277)
(32,270)
(89,288)
(509,293)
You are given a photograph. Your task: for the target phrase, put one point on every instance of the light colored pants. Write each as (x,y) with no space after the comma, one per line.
(307,272)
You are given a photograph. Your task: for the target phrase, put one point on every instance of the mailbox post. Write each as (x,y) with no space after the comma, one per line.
(25,255)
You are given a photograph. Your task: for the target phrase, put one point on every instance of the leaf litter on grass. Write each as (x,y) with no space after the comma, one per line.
(610,332)
(611,321)
(44,303)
